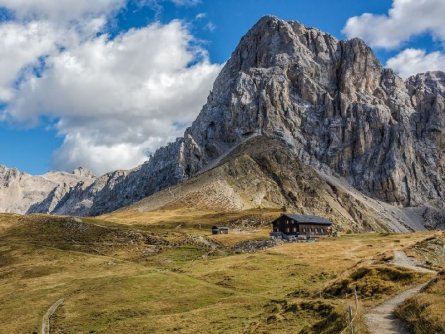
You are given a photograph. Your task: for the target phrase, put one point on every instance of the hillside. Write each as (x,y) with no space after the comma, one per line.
(117,278)
(265,173)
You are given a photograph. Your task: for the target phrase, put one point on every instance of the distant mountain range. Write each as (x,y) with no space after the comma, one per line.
(353,125)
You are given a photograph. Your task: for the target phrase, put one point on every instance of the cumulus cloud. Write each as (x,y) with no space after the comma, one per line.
(117,98)
(405,19)
(21,46)
(186,2)
(61,11)
(40,28)
(113,99)
(412,61)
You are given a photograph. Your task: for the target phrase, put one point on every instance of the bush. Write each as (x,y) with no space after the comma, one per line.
(370,282)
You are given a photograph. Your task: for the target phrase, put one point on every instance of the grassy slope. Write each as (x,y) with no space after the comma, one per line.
(120,278)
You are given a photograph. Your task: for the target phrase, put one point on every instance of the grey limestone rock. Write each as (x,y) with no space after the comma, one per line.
(331,101)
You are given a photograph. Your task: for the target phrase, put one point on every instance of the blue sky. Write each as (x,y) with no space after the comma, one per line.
(93,85)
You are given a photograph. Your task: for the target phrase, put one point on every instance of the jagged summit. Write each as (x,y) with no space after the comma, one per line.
(83,172)
(330,101)
(23,193)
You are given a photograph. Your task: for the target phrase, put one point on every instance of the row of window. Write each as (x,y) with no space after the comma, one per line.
(311,230)
(305,230)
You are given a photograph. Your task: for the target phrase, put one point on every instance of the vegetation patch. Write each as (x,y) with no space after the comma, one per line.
(40,271)
(430,251)
(372,282)
(425,311)
(313,316)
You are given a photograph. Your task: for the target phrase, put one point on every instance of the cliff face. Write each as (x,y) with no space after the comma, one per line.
(336,106)
(22,192)
(331,101)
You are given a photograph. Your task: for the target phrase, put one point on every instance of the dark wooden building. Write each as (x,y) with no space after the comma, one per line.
(220,230)
(298,225)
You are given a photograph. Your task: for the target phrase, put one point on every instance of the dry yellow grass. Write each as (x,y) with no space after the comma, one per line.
(110,284)
(191,218)
(424,312)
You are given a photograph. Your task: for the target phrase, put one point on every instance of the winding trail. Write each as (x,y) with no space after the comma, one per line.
(381,319)
(48,314)
(401,260)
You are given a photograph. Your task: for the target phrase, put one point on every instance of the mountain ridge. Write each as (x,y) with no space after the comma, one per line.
(264,174)
(20,192)
(331,101)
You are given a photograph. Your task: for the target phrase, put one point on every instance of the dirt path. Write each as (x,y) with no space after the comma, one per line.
(48,314)
(381,319)
(402,260)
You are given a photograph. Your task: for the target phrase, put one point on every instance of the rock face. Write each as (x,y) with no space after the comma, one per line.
(265,173)
(336,106)
(331,101)
(25,193)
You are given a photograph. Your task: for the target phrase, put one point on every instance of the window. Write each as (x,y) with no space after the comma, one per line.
(295,229)
(287,230)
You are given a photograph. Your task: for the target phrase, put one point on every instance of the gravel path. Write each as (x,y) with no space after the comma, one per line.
(381,319)
(48,314)
(402,260)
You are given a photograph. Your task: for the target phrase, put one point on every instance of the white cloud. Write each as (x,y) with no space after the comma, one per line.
(200,16)
(412,61)
(405,19)
(21,46)
(186,2)
(113,99)
(80,150)
(61,11)
(40,28)
(210,26)
(117,98)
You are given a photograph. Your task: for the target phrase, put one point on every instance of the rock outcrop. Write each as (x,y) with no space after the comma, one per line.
(25,193)
(265,173)
(331,101)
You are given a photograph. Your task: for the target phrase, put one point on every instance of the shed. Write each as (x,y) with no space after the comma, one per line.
(220,230)
(298,225)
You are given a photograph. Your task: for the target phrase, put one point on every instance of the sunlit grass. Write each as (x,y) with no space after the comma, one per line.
(112,285)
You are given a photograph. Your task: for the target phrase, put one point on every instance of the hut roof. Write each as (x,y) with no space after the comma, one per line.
(308,219)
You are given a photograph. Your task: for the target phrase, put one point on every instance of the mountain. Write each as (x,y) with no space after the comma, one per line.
(265,173)
(332,104)
(22,192)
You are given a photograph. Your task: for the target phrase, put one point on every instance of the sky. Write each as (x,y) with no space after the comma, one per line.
(102,84)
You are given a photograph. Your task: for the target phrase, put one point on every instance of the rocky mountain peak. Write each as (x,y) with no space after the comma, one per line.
(83,172)
(432,82)
(332,101)
(333,104)
(25,193)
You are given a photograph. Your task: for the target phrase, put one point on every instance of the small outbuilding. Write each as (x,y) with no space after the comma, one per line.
(220,230)
(293,226)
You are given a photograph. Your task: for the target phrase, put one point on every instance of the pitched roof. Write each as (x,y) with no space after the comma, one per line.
(308,219)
